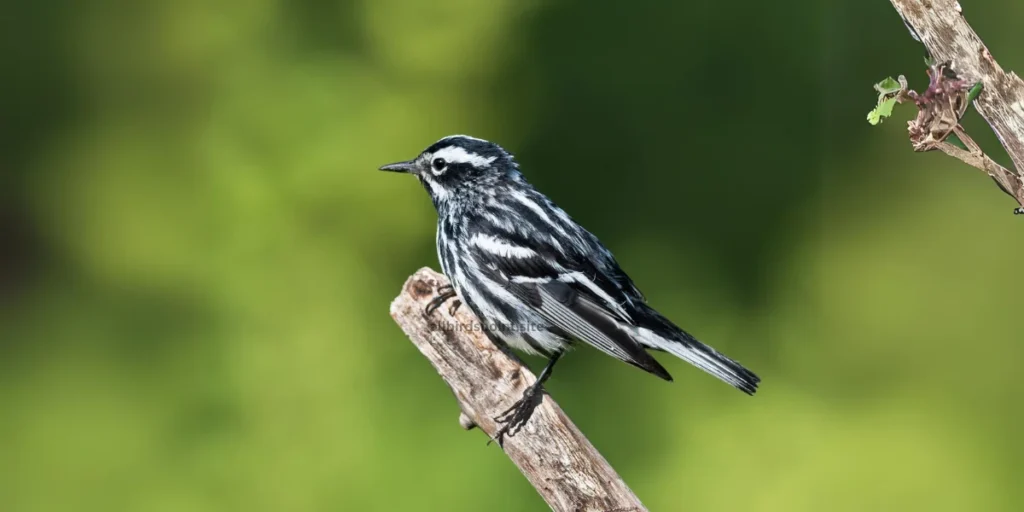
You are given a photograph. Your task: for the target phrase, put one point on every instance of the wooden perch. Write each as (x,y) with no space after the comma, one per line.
(555,457)
(941,27)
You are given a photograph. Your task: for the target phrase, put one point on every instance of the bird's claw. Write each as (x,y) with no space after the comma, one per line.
(454,307)
(515,418)
(443,294)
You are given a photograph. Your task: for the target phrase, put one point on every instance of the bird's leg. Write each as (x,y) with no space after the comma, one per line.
(515,417)
(443,294)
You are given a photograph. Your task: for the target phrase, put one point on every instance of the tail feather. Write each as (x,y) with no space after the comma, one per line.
(679,343)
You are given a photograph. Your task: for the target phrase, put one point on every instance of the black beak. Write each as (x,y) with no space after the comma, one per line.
(409,167)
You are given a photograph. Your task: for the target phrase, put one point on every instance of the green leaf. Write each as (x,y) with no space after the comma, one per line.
(888,92)
(974,92)
(882,111)
(888,86)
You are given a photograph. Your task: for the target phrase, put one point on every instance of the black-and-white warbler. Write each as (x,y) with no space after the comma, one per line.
(536,278)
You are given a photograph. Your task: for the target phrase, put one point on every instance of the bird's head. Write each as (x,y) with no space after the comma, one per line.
(458,164)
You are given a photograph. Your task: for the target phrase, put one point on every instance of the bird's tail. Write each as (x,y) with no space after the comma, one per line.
(662,334)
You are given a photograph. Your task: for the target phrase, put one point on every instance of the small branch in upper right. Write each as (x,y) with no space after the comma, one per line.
(940,109)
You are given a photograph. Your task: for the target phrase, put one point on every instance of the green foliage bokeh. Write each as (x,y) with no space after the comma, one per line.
(199,254)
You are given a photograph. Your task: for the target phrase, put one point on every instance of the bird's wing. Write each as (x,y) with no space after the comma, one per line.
(603,261)
(577,258)
(567,292)
(561,271)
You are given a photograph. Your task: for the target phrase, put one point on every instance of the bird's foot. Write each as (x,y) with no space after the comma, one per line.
(454,307)
(443,294)
(514,418)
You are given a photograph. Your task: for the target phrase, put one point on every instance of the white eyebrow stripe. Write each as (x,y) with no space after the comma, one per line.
(457,155)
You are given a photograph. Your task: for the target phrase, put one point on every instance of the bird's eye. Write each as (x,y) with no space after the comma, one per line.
(439,164)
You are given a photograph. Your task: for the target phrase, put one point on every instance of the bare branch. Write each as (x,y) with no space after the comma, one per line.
(941,27)
(975,157)
(555,457)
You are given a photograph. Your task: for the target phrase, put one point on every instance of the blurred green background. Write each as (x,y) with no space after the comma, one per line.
(198,253)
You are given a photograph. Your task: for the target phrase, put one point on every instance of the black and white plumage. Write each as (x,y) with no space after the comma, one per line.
(536,279)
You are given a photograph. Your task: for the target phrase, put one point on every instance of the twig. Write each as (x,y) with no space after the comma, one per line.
(555,457)
(941,27)
(975,157)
